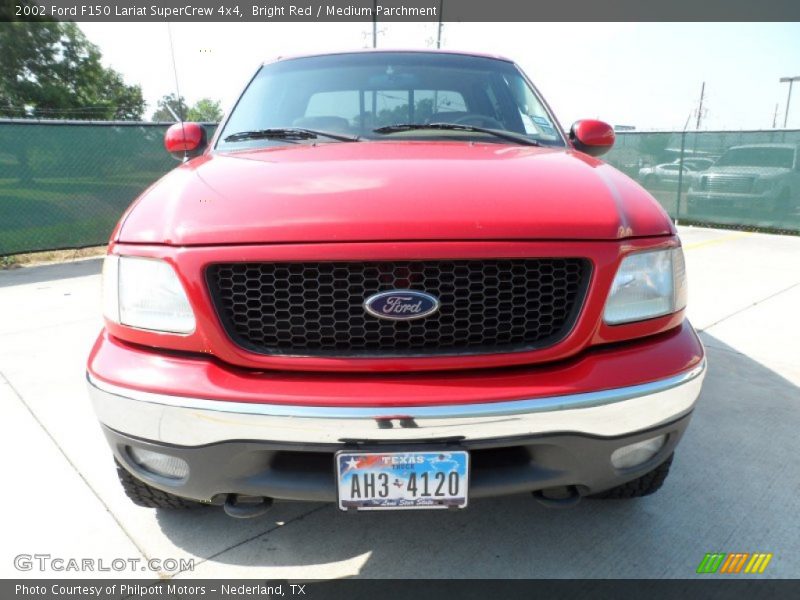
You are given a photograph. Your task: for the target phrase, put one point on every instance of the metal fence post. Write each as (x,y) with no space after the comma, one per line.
(680,178)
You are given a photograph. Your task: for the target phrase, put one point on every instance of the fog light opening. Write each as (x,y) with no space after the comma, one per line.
(636,454)
(159,464)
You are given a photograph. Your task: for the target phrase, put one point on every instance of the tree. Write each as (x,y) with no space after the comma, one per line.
(178,106)
(50,70)
(423,111)
(206,110)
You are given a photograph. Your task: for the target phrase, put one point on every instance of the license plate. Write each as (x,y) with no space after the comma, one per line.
(402,480)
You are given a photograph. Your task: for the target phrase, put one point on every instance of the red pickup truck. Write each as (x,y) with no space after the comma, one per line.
(391,281)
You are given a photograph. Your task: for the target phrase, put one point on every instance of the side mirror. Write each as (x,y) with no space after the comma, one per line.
(592,137)
(185,140)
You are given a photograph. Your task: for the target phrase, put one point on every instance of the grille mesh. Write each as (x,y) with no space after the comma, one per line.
(727,183)
(316,309)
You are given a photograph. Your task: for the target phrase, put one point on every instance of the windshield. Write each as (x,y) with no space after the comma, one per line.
(757,157)
(354,94)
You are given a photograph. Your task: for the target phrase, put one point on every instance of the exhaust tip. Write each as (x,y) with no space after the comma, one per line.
(240,506)
(558,497)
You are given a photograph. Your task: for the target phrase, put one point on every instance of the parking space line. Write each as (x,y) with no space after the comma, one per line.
(719,240)
(749,306)
(38,421)
(252,538)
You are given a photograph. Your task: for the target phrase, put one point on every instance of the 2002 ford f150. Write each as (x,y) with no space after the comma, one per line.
(391,281)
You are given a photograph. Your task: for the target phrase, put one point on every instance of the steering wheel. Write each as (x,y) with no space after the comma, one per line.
(479,121)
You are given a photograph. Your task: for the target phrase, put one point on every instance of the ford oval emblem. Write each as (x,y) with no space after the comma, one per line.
(401,305)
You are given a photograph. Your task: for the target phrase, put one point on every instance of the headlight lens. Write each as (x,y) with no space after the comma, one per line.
(647,285)
(145,293)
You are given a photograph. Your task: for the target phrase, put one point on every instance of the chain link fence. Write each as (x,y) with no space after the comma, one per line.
(65,184)
(745,179)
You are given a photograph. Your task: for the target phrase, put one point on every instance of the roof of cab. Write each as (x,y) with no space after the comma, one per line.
(389,50)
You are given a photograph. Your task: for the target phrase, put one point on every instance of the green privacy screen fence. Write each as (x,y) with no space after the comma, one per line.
(740,178)
(65,184)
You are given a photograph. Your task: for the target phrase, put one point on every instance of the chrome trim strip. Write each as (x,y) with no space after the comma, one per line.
(194,421)
(489,409)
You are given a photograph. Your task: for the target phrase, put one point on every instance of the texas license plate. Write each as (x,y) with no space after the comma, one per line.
(402,480)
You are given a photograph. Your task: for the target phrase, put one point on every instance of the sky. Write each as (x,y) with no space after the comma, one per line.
(648,75)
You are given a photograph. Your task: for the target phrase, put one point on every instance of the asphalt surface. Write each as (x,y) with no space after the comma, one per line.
(734,485)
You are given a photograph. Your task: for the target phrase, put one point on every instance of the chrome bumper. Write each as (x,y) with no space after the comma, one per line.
(193,421)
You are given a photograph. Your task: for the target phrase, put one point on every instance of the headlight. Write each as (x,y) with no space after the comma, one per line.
(647,285)
(145,293)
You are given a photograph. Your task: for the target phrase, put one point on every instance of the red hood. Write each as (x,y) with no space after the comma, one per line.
(374,191)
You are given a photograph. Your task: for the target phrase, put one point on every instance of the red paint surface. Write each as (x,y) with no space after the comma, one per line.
(594,133)
(198,377)
(384,200)
(183,137)
(379,191)
(209,336)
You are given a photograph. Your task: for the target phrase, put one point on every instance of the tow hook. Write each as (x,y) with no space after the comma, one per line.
(246,507)
(567,497)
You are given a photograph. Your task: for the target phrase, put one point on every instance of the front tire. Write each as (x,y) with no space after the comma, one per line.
(142,494)
(647,484)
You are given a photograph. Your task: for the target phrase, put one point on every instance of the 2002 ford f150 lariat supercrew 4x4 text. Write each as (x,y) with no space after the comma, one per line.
(391,281)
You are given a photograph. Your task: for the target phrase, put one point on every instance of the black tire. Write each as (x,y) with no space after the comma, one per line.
(647,484)
(142,494)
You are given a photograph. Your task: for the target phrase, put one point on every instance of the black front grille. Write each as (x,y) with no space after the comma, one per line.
(735,184)
(317,309)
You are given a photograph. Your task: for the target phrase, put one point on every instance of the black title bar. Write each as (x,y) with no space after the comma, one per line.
(400,10)
(708,588)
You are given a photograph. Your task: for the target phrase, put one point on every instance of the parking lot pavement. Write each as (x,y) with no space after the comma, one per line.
(734,486)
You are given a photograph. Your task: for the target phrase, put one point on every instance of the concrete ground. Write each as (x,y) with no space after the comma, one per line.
(734,487)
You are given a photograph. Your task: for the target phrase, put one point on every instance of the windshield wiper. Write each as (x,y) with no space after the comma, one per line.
(290,133)
(506,135)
